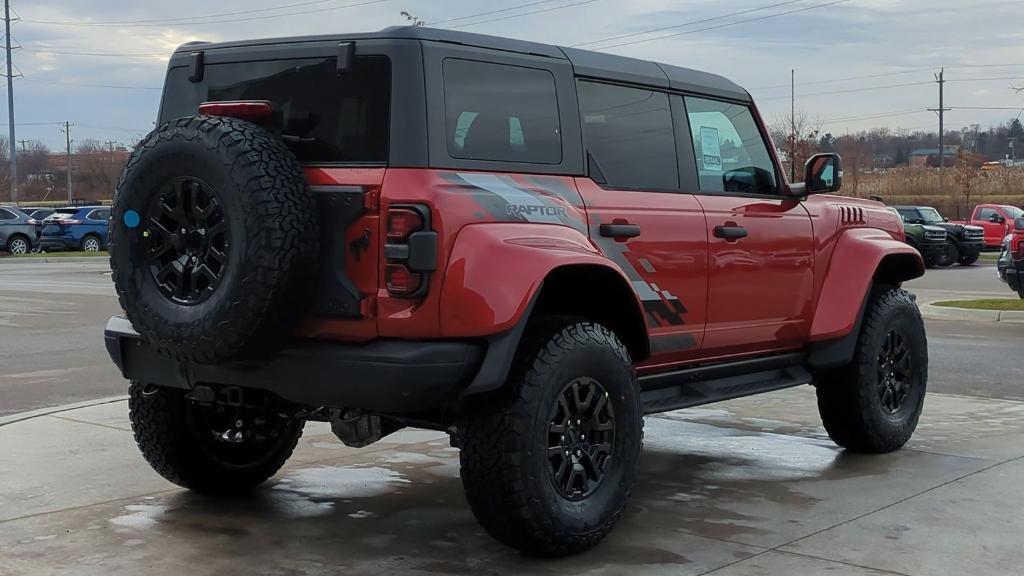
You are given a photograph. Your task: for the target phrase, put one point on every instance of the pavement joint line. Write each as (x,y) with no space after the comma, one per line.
(854,565)
(90,505)
(22,416)
(902,500)
(77,421)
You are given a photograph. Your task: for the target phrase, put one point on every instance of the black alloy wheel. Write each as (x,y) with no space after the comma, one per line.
(187,248)
(581,433)
(895,371)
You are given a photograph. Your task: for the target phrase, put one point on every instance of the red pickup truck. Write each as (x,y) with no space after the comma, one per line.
(996,219)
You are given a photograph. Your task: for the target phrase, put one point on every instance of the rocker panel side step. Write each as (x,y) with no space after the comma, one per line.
(684,389)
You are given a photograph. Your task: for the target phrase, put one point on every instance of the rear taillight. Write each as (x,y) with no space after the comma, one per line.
(402,222)
(33,221)
(410,249)
(251,110)
(401,281)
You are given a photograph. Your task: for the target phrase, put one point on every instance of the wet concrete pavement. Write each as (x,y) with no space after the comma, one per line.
(751,486)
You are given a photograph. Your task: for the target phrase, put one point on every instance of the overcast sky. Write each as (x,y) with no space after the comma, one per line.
(837,50)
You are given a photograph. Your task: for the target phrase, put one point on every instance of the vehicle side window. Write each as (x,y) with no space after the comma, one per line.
(501,113)
(7,215)
(102,214)
(985,213)
(730,151)
(629,137)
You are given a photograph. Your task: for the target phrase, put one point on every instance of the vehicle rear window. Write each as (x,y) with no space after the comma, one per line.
(323,116)
(501,113)
(629,137)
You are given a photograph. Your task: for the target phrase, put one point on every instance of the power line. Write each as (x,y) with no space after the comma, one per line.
(844,79)
(509,9)
(68,53)
(690,23)
(165,20)
(872,116)
(522,14)
(195,23)
(89,85)
(757,19)
(851,90)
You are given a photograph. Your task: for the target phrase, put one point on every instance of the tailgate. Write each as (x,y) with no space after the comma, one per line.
(347,203)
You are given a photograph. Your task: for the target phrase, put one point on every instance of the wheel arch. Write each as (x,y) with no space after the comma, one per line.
(862,257)
(556,271)
(88,235)
(11,237)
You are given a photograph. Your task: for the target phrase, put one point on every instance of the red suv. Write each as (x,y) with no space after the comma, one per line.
(528,247)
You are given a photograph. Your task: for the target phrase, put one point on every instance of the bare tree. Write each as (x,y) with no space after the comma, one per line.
(797,137)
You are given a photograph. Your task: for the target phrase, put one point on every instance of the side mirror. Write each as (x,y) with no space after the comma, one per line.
(823,173)
(995,218)
(945,219)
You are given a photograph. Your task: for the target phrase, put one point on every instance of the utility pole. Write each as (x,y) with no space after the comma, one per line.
(10,104)
(940,79)
(24,145)
(67,132)
(792,123)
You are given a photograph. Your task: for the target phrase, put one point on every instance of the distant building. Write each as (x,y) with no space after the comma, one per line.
(930,156)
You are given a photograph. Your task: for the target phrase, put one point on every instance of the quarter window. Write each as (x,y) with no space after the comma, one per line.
(7,215)
(629,137)
(501,113)
(731,154)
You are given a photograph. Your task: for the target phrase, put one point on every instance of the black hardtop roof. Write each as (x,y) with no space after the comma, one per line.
(585,62)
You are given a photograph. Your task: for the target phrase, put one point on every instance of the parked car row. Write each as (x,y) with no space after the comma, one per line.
(27,229)
(941,242)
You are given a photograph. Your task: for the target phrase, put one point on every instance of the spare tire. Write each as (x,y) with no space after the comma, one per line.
(213,239)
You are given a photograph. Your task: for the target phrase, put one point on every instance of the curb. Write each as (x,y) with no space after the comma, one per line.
(22,416)
(934,312)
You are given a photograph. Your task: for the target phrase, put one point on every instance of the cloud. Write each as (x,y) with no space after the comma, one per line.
(858,38)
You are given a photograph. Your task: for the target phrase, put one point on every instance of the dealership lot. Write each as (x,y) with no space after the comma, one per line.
(748,486)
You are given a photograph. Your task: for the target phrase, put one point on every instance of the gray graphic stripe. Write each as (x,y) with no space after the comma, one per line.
(511,194)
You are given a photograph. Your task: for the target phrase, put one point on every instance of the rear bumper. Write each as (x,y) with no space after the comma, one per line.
(388,376)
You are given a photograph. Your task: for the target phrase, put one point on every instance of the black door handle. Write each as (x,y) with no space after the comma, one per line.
(620,230)
(730,232)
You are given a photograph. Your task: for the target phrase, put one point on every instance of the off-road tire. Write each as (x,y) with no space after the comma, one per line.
(271,241)
(506,470)
(968,259)
(950,256)
(18,244)
(849,397)
(170,434)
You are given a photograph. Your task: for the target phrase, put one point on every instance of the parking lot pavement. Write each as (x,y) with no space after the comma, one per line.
(751,486)
(51,324)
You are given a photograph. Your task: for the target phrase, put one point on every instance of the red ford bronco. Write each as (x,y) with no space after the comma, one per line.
(526,246)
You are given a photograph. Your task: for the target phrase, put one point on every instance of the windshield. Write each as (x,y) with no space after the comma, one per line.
(930,215)
(1012,212)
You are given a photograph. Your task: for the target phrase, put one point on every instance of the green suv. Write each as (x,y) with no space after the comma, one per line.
(963,241)
(929,240)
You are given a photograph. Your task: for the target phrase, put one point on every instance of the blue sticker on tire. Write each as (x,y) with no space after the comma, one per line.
(131,218)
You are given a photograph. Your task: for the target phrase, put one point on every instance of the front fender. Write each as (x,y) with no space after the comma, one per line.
(495,270)
(861,256)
